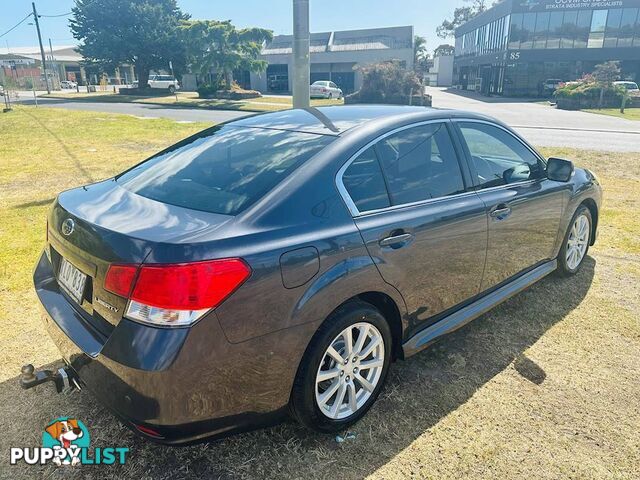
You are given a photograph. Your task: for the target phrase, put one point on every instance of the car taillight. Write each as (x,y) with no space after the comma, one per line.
(175,294)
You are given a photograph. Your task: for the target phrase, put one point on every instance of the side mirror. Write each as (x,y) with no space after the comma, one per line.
(559,170)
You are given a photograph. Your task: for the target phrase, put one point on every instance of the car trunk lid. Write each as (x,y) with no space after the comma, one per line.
(113,225)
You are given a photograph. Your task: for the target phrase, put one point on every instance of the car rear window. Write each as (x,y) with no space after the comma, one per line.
(224,169)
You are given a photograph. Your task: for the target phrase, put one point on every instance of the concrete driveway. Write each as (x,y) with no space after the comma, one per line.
(548,126)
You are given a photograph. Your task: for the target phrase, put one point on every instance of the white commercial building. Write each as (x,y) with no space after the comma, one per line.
(333,57)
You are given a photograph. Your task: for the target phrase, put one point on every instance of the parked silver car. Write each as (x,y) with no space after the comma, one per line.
(325,89)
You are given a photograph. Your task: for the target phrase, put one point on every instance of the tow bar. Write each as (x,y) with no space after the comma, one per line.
(63,378)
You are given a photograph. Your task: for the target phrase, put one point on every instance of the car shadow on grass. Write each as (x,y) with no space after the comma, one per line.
(420,392)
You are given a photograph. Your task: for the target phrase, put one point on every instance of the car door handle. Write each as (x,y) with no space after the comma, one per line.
(396,241)
(501,211)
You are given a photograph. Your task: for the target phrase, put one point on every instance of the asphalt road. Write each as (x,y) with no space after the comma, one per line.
(542,125)
(547,126)
(143,110)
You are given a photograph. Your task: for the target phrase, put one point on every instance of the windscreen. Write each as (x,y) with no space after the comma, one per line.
(223,170)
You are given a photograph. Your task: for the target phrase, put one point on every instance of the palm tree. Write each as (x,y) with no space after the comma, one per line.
(220,45)
(420,55)
(419,49)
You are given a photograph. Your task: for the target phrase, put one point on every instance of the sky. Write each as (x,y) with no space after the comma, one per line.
(325,15)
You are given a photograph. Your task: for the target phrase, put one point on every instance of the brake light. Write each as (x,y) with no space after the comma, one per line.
(175,294)
(120,279)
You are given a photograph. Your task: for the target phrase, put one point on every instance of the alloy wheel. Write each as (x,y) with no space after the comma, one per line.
(350,370)
(577,242)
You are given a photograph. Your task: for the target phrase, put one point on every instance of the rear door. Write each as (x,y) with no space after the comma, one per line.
(523,206)
(424,229)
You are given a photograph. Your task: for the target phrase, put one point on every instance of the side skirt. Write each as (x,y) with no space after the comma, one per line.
(426,337)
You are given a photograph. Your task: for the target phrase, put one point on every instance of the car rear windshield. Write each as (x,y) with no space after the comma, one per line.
(224,169)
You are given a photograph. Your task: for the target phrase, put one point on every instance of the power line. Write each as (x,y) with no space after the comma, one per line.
(16,25)
(54,16)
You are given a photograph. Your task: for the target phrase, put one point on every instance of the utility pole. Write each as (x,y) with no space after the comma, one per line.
(54,65)
(300,53)
(44,63)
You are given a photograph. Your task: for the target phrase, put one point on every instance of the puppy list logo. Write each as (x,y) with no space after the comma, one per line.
(65,441)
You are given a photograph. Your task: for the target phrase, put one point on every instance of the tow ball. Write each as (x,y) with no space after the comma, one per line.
(62,378)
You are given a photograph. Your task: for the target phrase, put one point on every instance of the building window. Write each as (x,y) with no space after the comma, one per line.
(636,30)
(528,28)
(568,29)
(515,31)
(542,28)
(582,29)
(504,40)
(613,28)
(627,22)
(598,25)
(555,29)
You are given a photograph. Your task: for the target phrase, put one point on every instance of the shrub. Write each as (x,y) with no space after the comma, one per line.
(207,90)
(387,82)
(586,94)
(216,90)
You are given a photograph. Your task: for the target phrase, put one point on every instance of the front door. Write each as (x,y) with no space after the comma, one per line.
(524,207)
(426,232)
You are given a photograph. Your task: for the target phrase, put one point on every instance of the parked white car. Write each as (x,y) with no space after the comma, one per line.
(68,84)
(325,89)
(164,82)
(631,87)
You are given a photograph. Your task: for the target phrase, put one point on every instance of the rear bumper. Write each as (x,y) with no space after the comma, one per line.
(185,384)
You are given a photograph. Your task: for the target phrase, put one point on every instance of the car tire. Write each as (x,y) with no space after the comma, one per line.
(172,89)
(308,388)
(330,96)
(577,240)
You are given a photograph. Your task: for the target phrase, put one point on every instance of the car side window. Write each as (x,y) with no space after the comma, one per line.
(333,85)
(420,163)
(364,182)
(498,157)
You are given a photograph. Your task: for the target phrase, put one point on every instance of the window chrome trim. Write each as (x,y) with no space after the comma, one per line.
(345,194)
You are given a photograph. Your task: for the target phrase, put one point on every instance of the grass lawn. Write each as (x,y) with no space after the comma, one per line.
(629,113)
(191,99)
(544,386)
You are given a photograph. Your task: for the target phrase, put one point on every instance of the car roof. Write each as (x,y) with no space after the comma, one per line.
(336,120)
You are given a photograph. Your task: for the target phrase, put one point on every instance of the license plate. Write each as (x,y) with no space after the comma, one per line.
(72,280)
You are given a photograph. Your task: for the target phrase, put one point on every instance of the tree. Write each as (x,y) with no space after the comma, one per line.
(444,50)
(461,15)
(605,74)
(139,32)
(387,82)
(420,55)
(419,49)
(218,44)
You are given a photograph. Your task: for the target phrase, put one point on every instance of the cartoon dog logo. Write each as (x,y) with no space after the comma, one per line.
(66,432)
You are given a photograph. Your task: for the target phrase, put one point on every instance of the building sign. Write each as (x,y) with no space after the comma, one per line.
(16,61)
(551,5)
